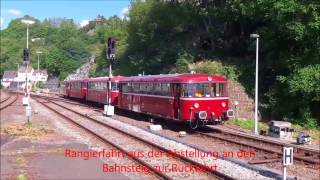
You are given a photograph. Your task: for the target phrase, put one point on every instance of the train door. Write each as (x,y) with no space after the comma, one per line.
(67,89)
(84,88)
(104,94)
(176,104)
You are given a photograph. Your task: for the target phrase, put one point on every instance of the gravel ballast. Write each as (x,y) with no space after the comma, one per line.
(226,167)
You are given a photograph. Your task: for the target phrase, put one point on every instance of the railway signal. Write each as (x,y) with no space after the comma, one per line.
(26,56)
(111,50)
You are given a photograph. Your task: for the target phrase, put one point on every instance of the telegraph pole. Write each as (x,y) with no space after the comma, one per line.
(256,36)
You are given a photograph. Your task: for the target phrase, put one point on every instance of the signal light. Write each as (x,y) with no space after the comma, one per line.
(26,55)
(109,42)
(111,49)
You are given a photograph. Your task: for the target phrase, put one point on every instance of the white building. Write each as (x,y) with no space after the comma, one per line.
(24,74)
(8,77)
(42,75)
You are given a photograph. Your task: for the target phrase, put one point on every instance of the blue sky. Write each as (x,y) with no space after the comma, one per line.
(79,10)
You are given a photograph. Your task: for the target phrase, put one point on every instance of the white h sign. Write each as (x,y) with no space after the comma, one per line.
(287,160)
(287,156)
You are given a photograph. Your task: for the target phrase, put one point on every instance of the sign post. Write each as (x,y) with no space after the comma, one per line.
(287,160)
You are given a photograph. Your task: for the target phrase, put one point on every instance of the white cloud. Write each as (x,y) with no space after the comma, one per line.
(124,13)
(1,21)
(14,12)
(84,22)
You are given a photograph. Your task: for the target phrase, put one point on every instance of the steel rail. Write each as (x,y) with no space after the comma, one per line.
(162,175)
(215,173)
(15,97)
(250,145)
(279,152)
(5,99)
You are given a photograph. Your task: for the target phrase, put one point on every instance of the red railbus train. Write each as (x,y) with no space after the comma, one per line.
(192,98)
(198,99)
(74,88)
(98,89)
(93,89)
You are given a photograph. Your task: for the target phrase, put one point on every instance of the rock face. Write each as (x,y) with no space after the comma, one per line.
(52,84)
(236,92)
(83,71)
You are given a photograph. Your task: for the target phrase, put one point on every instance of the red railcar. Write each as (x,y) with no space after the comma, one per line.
(64,86)
(185,97)
(74,88)
(98,90)
(77,88)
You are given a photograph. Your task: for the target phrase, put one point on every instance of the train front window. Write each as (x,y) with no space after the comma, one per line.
(114,87)
(199,90)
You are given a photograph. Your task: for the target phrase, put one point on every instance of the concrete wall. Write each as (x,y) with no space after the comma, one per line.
(245,108)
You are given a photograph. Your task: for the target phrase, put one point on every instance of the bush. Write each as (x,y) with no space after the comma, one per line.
(216,67)
(182,63)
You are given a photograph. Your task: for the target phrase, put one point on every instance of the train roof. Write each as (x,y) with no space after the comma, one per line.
(106,78)
(77,80)
(176,78)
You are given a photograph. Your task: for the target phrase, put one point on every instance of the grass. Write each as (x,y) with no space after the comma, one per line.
(248,124)
(28,130)
(21,177)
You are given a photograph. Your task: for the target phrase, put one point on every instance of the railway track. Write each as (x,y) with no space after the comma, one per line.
(8,101)
(5,99)
(303,154)
(120,140)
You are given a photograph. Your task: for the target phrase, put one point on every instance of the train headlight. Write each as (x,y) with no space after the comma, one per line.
(223,104)
(196,105)
(202,115)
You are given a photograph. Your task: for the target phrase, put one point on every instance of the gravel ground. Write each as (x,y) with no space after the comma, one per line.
(300,171)
(43,157)
(94,144)
(138,148)
(223,166)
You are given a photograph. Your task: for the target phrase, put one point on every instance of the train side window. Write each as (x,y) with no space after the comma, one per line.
(165,89)
(145,88)
(157,88)
(135,87)
(188,90)
(220,89)
(149,88)
(114,86)
(217,90)
(124,87)
(142,88)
